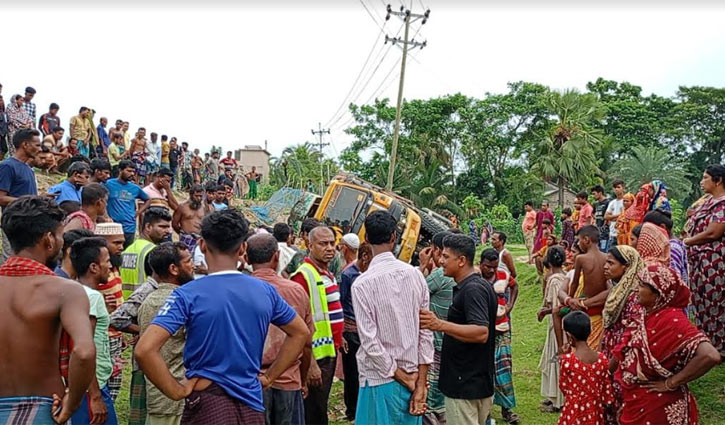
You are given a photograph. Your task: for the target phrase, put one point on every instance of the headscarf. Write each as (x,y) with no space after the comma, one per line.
(671,290)
(622,217)
(640,206)
(653,245)
(619,294)
(660,199)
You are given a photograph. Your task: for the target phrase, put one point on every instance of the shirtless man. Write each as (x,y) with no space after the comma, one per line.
(137,154)
(34,307)
(592,296)
(187,218)
(196,163)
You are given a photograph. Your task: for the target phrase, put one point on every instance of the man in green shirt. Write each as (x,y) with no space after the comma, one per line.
(92,263)
(441,296)
(172,263)
(115,152)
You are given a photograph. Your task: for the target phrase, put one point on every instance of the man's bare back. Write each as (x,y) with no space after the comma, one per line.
(189,219)
(591,264)
(32,311)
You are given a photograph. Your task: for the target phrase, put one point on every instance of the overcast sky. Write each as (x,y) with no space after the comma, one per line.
(228,74)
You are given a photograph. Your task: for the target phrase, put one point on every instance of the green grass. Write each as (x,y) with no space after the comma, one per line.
(528,342)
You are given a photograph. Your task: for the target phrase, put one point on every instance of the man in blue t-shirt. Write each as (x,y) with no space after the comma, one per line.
(122,195)
(68,193)
(226,315)
(16,176)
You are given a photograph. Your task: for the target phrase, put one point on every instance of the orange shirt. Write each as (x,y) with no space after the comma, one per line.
(529,222)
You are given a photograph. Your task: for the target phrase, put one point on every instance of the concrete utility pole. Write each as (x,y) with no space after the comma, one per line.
(408,17)
(321,145)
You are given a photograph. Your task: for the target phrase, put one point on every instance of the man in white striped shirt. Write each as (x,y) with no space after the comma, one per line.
(394,351)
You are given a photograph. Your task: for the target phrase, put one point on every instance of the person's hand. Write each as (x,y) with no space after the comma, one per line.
(428,320)
(99,411)
(305,390)
(418,406)
(344,347)
(657,386)
(186,387)
(408,380)
(509,308)
(264,381)
(424,257)
(111,301)
(314,377)
(541,314)
(61,408)
(574,304)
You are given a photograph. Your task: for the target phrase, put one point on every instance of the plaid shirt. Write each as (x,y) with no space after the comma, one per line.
(30,109)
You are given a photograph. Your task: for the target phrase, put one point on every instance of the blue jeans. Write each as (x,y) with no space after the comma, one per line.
(604,245)
(284,407)
(83,414)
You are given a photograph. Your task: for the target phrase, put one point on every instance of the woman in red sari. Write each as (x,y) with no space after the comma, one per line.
(660,353)
(634,215)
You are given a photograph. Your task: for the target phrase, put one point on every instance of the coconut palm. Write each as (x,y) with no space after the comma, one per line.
(647,163)
(566,152)
(300,163)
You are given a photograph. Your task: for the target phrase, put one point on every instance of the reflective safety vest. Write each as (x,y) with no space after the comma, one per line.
(132,268)
(322,342)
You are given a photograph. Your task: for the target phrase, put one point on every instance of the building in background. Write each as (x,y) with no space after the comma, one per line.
(254,156)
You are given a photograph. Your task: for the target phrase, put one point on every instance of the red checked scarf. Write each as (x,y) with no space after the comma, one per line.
(22,267)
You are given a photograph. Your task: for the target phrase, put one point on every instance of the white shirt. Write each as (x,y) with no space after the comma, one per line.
(285,255)
(616,206)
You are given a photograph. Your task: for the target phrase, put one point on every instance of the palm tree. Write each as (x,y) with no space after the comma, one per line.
(566,153)
(647,163)
(300,163)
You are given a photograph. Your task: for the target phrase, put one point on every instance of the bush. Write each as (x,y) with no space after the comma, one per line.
(266,191)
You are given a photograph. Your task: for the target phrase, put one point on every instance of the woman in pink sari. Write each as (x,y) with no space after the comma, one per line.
(661,353)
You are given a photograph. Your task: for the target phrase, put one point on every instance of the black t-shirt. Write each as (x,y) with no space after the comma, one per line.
(600,208)
(467,369)
(174,157)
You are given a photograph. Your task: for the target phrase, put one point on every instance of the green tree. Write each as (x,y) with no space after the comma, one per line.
(300,163)
(567,153)
(645,164)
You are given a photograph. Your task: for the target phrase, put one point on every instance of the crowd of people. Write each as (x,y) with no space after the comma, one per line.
(232,325)
(87,140)
(620,288)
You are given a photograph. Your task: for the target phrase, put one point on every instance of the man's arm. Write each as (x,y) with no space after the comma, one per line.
(74,309)
(5,200)
(97,406)
(513,297)
(508,259)
(574,284)
(149,359)
(124,316)
(176,221)
(173,203)
(465,333)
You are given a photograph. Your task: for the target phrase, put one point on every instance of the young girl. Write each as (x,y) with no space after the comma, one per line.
(584,376)
(549,363)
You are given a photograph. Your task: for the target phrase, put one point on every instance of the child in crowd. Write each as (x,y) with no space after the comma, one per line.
(584,376)
(567,226)
(540,255)
(549,363)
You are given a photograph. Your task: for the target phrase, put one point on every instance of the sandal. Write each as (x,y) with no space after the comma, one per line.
(510,417)
(549,409)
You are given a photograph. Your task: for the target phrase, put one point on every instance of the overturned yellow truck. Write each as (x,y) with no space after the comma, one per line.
(349,199)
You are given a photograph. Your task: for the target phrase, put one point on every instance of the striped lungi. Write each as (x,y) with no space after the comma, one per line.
(26,410)
(137,399)
(190,240)
(116,379)
(504,383)
(214,406)
(436,400)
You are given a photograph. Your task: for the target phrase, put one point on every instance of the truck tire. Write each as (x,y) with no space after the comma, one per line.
(430,225)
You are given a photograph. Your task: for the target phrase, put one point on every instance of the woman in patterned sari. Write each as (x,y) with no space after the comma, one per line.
(706,255)
(624,224)
(660,353)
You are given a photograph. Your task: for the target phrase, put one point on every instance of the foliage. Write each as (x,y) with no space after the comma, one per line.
(266,191)
(646,163)
(567,153)
(301,164)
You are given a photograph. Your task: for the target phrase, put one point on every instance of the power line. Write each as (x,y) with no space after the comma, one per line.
(372,16)
(347,96)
